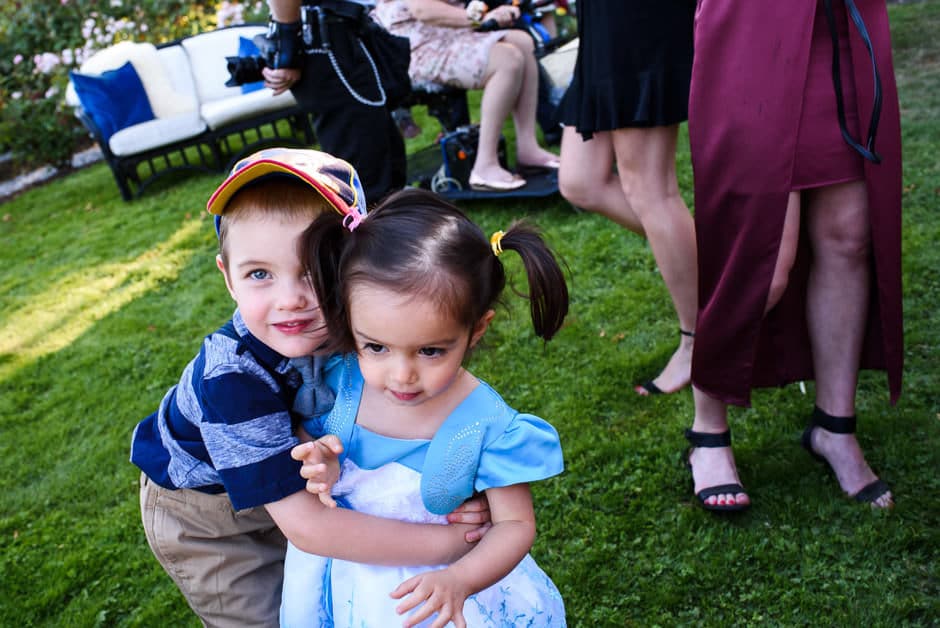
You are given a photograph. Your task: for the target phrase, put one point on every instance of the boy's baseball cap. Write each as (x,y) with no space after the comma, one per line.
(335,180)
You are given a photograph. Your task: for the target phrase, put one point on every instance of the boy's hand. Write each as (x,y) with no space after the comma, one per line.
(440,591)
(475,510)
(320,465)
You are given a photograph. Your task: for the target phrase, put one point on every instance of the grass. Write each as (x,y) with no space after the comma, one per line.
(103,302)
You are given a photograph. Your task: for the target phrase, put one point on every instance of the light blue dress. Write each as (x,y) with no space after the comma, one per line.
(483,444)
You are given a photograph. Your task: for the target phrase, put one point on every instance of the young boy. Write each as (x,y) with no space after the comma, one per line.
(219,489)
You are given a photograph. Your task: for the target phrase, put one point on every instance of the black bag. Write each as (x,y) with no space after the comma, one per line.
(458,152)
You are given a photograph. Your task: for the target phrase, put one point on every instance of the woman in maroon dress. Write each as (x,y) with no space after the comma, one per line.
(798,223)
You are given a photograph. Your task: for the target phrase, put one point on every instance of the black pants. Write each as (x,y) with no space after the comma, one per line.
(366,136)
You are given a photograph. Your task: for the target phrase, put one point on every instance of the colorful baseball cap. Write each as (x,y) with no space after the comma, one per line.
(335,180)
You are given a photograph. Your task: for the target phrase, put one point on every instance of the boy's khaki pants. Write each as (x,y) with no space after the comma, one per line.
(228,564)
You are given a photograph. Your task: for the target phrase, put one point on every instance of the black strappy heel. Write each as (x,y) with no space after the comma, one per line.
(840,425)
(648,388)
(705,439)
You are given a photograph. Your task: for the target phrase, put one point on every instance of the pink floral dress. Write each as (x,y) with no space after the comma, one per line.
(439,54)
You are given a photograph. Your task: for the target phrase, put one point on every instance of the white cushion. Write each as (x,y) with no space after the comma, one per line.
(155,133)
(183,89)
(71,97)
(560,64)
(156,81)
(218,113)
(207,52)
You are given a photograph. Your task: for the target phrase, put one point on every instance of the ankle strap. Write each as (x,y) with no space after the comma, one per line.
(690,334)
(834,424)
(706,439)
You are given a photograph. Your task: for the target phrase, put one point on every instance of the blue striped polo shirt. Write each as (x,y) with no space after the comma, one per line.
(226,426)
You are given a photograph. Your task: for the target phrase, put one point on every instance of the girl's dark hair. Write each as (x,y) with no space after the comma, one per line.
(417,243)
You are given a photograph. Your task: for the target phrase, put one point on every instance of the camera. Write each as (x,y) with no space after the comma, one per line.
(278,48)
(245,70)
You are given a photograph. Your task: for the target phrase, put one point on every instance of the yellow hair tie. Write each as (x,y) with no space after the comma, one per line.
(495,243)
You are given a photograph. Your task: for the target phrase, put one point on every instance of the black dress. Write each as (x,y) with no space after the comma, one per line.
(634,65)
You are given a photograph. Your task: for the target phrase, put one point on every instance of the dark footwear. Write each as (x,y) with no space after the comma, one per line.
(648,388)
(869,493)
(704,439)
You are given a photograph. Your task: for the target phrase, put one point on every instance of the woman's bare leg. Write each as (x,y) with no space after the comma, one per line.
(502,83)
(597,188)
(715,466)
(528,151)
(837,313)
(646,162)
(786,255)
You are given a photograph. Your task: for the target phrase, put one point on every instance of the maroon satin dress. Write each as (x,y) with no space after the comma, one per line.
(762,122)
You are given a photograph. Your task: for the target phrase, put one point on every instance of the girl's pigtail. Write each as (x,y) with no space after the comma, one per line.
(548,291)
(322,246)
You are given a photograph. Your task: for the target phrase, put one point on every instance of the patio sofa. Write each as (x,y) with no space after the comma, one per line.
(193,122)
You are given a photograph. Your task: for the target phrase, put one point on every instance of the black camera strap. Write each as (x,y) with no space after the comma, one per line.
(315,17)
(867,151)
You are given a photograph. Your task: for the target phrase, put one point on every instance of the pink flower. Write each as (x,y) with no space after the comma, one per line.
(18,59)
(45,62)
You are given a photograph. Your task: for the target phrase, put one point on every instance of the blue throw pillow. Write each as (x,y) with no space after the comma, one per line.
(247,48)
(115,99)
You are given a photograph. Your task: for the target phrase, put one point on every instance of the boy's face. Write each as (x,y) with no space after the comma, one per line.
(266,278)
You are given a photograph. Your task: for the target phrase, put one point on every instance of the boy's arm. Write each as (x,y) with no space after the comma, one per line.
(354,536)
(504,546)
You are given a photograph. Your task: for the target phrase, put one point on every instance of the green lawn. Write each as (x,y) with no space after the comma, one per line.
(103,302)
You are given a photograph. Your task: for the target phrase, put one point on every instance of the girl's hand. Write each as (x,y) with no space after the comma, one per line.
(439,591)
(320,465)
(475,510)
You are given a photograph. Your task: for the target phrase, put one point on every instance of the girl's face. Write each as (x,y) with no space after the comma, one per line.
(408,350)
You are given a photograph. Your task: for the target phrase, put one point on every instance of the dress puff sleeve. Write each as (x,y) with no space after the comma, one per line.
(528,450)
(485,444)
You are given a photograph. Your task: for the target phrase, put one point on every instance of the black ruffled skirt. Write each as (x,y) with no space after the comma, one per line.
(634,65)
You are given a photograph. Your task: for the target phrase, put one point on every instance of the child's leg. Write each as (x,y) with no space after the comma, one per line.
(228,565)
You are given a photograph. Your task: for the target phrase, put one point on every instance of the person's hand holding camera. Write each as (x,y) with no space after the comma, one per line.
(280,79)
(278,63)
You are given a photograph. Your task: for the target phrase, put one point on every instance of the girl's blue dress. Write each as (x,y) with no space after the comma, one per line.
(483,444)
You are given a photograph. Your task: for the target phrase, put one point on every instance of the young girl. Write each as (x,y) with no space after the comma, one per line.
(416,283)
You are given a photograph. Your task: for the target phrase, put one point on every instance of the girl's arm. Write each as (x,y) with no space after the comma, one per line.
(504,546)
(354,536)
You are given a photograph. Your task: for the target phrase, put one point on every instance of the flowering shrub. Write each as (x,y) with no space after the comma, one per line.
(42,40)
